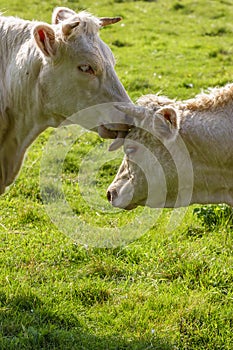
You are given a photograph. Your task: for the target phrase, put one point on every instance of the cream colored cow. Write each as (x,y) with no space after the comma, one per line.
(177,153)
(47,73)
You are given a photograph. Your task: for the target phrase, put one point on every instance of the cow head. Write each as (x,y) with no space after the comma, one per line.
(153,152)
(77,66)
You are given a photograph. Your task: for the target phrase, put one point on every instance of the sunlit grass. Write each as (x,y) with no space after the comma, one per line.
(172,288)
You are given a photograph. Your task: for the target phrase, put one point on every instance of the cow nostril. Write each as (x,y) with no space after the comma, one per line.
(111,195)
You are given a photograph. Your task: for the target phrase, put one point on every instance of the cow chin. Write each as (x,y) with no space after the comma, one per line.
(135,205)
(130,206)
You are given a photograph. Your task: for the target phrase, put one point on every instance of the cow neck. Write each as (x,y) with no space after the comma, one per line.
(207,136)
(18,135)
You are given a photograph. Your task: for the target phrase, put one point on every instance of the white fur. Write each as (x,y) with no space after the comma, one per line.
(40,83)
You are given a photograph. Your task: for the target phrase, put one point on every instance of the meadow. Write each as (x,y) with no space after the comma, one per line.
(169,286)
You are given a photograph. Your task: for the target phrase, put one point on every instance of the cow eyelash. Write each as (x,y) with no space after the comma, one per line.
(130,150)
(86,68)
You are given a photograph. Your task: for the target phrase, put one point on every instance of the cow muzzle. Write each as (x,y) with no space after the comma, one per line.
(122,197)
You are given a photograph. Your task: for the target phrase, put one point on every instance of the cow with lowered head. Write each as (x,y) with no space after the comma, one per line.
(177,152)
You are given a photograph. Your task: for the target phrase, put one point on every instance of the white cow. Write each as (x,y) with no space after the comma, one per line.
(177,153)
(47,73)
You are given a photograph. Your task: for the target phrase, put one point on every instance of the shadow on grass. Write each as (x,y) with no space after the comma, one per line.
(26,323)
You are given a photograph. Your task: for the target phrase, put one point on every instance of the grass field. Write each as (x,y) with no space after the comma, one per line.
(172,287)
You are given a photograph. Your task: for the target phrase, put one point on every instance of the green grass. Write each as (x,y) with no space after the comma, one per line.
(172,288)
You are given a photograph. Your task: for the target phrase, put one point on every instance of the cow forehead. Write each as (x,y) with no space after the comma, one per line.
(139,136)
(91,50)
(86,42)
(89,24)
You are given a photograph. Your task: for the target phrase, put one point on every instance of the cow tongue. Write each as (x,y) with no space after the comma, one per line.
(119,141)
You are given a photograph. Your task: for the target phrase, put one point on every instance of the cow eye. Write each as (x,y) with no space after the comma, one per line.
(130,150)
(86,68)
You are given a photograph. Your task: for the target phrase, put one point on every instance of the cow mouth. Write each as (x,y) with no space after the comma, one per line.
(132,203)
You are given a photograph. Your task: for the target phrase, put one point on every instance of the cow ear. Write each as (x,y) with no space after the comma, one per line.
(45,38)
(60,14)
(167,123)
